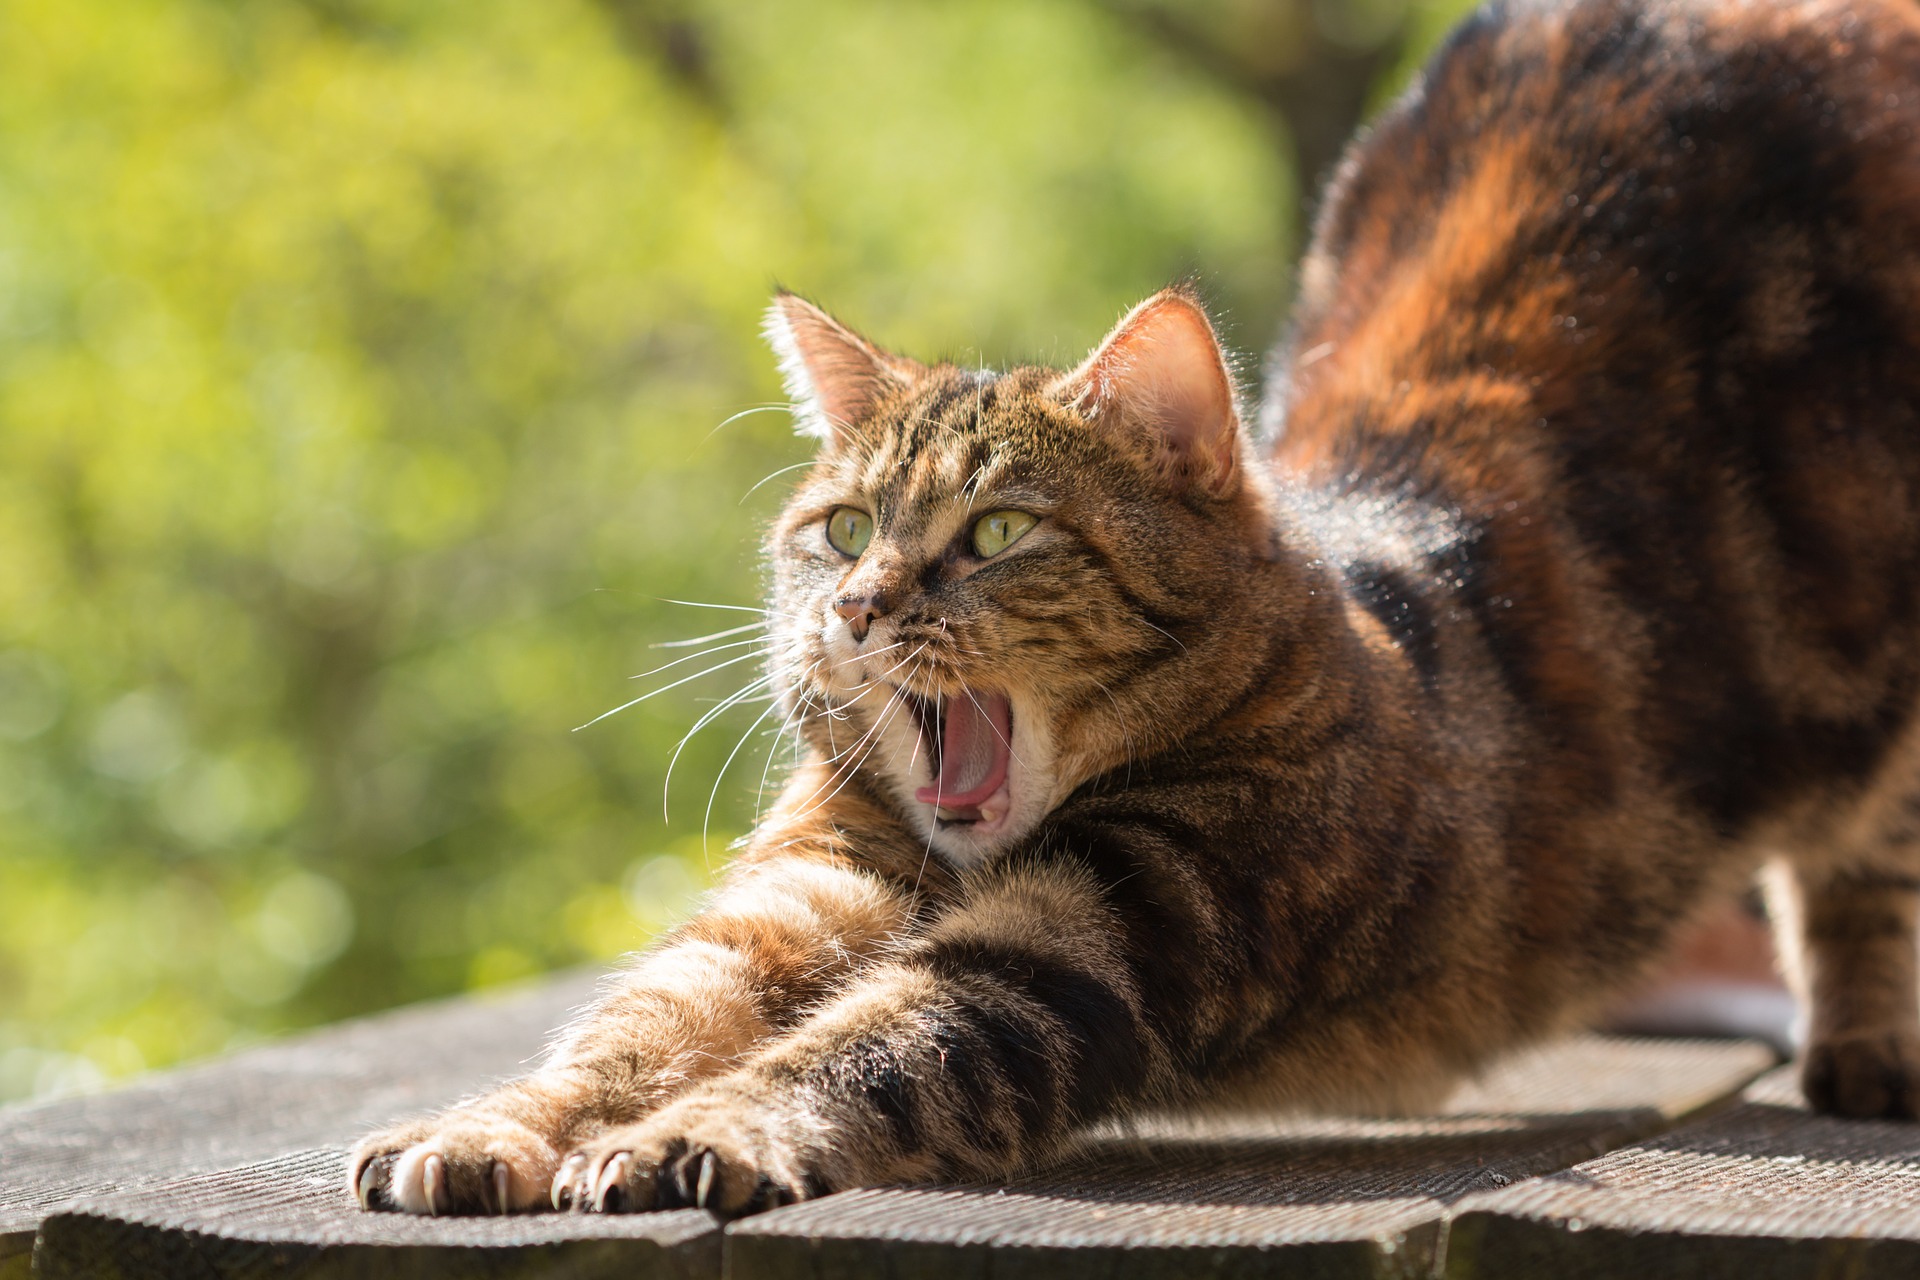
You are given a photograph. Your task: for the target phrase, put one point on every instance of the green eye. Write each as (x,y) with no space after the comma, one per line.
(995,532)
(849,530)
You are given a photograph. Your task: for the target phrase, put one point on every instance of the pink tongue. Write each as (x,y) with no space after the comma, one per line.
(973,751)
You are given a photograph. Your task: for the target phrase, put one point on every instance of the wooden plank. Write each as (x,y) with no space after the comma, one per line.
(1244,1196)
(322,1088)
(292,1216)
(233,1169)
(1764,1190)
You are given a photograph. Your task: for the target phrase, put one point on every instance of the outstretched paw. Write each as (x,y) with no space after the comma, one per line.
(453,1164)
(712,1153)
(1867,1076)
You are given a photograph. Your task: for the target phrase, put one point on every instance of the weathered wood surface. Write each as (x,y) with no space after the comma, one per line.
(292,1217)
(325,1087)
(234,1169)
(1764,1190)
(1258,1196)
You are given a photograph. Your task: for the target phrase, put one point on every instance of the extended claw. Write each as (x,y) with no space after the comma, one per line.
(564,1179)
(703,1183)
(367,1183)
(610,1187)
(501,1177)
(433,1180)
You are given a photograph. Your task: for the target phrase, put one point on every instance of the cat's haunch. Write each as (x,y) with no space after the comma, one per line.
(1574,573)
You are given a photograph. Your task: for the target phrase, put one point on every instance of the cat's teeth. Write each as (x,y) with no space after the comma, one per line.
(948,815)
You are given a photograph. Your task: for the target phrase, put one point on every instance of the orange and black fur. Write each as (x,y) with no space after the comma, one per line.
(1577,576)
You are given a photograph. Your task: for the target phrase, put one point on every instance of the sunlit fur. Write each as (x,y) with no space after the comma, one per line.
(1578,575)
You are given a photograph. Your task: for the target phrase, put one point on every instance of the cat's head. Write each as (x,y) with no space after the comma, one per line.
(992,587)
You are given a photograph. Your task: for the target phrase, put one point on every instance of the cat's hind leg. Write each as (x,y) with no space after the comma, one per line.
(1847,933)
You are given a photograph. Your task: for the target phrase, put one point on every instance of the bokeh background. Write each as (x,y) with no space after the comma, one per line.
(374,372)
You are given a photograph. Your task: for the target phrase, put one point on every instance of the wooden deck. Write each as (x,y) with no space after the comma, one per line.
(1598,1157)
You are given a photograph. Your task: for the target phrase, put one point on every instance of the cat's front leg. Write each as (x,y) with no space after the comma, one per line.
(795,916)
(1013,1022)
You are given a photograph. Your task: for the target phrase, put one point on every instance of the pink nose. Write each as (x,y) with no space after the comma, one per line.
(860,612)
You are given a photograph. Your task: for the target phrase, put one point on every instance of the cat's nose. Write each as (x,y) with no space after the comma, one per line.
(861,612)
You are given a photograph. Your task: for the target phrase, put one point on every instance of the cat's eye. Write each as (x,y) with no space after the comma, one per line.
(998,530)
(849,530)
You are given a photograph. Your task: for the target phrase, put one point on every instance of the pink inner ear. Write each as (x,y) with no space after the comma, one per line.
(1162,370)
(834,376)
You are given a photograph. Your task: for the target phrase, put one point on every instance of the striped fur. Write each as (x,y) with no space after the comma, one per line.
(1576,578)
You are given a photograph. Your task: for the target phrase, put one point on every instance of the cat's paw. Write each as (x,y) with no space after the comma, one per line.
(453,1164)
(1874,1075)
(716,1153)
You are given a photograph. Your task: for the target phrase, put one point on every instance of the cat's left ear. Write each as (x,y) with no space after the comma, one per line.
(1162,372)
(834,377)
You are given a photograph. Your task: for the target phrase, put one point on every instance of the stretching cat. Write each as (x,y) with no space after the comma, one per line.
(1578,573)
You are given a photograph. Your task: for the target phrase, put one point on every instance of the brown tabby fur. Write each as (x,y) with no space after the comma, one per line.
(1577,579)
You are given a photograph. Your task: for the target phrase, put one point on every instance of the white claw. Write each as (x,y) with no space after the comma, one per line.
(612,1174)
(433,1173)
(564,1181)
(704,1184)
(501,1176)
(367,1181)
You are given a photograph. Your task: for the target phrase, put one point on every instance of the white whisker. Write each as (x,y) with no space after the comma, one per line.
(717,635)
(702,604)
(695,657)
(744,694)
(746,413)
(706,823)
(1126,733)
(881,678)
(718,666)
(871,737)
(763,479)
(868,739)
(1169,635)
(800,705)
(933,820)
(864,685)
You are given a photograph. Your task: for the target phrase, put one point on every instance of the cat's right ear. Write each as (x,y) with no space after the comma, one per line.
(1162,376)
(834,377)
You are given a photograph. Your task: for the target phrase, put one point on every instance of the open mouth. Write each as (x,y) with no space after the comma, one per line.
(969,743)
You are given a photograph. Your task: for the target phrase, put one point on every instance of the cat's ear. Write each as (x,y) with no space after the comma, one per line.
(834,376)
(1162,372)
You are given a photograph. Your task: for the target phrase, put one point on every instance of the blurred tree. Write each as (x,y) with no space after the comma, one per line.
(1316,67)
(670,34)
(1310,64)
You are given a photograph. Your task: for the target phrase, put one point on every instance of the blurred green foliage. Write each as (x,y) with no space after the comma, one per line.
(362,372)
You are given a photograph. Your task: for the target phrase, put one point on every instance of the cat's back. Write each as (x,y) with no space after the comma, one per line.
(1629,288)
(1636,131)
(1567,179)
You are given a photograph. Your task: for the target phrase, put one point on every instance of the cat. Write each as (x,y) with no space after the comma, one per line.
(1567,577)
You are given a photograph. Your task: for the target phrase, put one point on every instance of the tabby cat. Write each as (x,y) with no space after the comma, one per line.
(1572,574)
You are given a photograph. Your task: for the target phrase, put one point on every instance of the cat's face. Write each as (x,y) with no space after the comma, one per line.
(981,586)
